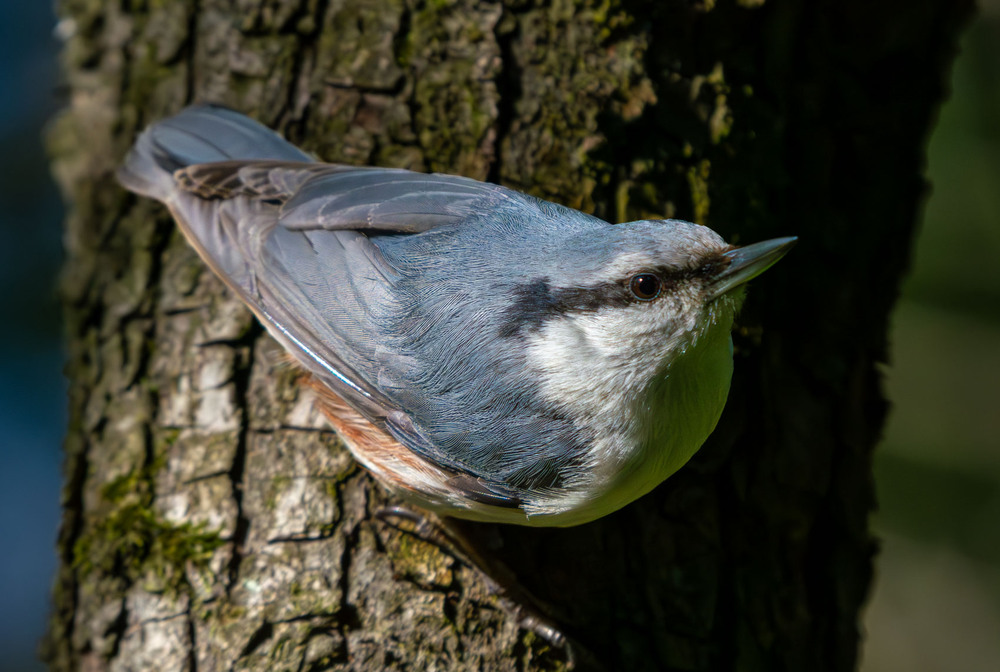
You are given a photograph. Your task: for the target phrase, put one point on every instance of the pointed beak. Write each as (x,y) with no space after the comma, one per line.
(748,262)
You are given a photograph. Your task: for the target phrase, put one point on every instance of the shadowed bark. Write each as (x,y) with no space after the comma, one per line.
(213,522)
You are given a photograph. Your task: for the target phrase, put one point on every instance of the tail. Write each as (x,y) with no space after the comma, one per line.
(199,134)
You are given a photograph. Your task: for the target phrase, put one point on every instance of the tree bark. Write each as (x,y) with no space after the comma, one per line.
(213,522)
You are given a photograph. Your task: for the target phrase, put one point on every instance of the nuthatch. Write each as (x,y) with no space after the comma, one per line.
(484,353)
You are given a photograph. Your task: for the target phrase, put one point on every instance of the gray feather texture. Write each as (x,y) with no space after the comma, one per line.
(416,297)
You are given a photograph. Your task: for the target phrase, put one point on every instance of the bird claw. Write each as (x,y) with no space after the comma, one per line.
(512,597)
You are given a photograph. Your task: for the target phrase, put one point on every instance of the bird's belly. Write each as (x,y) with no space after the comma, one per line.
(679,412)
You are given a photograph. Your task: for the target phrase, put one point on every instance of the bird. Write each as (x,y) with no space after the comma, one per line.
(485,354)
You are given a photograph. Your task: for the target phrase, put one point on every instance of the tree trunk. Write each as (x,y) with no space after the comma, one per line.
(212,520)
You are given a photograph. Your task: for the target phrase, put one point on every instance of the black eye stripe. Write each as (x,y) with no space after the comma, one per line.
(671,277)
(536,301)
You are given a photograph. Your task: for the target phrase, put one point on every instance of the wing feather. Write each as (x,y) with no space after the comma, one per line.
(387,200)
(308,247)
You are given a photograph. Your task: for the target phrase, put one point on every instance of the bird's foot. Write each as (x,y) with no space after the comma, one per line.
(500,581)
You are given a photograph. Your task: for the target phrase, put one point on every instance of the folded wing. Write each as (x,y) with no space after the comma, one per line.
(288,235)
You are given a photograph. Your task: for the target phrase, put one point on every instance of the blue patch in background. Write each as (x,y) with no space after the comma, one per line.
(32,388)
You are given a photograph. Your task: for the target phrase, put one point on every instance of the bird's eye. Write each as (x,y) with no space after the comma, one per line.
(645,286)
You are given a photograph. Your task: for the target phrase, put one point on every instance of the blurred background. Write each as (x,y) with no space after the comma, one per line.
(32,390)
(936,603)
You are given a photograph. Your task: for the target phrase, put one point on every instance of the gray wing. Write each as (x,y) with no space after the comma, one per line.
(398,201)
(336,197)
(286,235)
(223,177)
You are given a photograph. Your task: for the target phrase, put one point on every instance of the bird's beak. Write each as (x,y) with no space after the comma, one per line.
(748,262)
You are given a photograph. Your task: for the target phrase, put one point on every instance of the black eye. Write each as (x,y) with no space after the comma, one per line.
(645,286)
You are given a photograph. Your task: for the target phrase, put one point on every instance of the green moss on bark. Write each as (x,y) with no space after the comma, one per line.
(130,541)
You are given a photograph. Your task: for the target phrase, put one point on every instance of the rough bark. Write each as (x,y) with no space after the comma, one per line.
(212,522)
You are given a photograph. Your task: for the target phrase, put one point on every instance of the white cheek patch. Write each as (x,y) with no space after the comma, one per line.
(564,365)
(577,360)
(599,368)
(595,364)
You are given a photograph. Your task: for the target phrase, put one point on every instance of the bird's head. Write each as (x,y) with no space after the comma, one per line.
(637,297)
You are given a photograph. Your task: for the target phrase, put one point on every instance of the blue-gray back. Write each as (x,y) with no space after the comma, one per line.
(408,294)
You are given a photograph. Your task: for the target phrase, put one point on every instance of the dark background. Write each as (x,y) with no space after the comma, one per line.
(32,390)
(936,604)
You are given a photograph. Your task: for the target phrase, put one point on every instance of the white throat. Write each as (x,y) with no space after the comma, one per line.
(650,414)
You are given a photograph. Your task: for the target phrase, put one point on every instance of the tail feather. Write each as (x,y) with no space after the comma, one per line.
(199,134)
(221,230)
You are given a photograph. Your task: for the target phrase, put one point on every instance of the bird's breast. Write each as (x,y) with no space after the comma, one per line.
(644,429)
